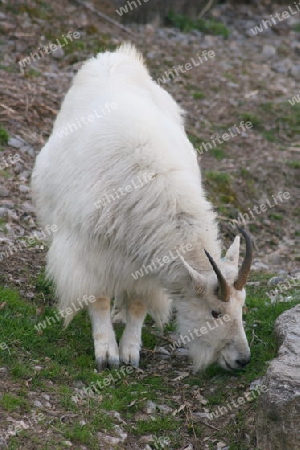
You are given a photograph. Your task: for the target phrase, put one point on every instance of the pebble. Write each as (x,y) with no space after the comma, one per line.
(3,444)
(165,409)
(58,53)
(29,150)
(38,404)
(162,351)
(4,192)
(17,168)
(295,71)
(268,51)
(150,407)
(109,439)
(181,353)
(275,280)
(221,446)
(28,207)
(120,432)
(4,212)
(15,142)
(24,189)
(282,66)
(147,439)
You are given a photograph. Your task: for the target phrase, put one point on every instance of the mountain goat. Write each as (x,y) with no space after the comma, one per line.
(120,180)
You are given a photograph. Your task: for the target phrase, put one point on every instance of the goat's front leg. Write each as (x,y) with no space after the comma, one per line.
(131,341)
(106,347)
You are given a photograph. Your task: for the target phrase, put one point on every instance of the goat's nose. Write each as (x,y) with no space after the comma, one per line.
(243,362)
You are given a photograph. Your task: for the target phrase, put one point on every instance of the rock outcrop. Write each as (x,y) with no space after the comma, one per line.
(278,416)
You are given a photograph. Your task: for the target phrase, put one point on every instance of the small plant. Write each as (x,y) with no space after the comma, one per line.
(218,153)
(4,136)
(198,95)
(294,164)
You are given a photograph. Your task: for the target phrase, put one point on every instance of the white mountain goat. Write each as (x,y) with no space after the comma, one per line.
(120,180)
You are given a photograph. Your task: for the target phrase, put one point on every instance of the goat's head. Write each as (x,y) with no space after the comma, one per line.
(212,324)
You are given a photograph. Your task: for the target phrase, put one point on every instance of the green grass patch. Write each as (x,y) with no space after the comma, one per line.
(198,95)
(296,27)
(11,402)
(293,164)
(253,118)
(4,136)
(220,188)
(66,358)
(186,24)
(218,153)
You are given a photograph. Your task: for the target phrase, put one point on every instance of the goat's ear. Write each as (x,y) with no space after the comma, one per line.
(198,280)
(233,252)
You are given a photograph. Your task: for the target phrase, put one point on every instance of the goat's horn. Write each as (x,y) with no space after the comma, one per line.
(224,290)
(246,264)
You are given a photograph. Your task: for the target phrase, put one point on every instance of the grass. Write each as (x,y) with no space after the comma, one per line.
(218,153)
(220,189)
(186,24)
(296,27)
(198,95)
(4,136)
(293,164)
(66,357)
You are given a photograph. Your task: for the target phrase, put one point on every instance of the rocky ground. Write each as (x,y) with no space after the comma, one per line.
(250,78)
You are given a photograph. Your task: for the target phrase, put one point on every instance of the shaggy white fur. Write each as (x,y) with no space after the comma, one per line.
(108,231)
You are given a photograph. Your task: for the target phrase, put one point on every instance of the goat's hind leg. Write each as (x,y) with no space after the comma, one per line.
(130,344)
(106,347)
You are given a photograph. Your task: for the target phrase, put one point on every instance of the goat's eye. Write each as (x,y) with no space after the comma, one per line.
(216,314)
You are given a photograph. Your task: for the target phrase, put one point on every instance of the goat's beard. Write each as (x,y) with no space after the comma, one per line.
(202,355)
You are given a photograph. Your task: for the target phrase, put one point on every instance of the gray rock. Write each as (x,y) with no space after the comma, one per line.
(15,142)
(24,189)
(282,66)
(275,280)
(268,51)
(3,443)
(278,414)
(58,53)
(150,407)
(37,404)
(27,149)
(165,409)
(28,207)
(122,435)
(4,192)
(181,353)
(3,212)
(162,351)
(295,71)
